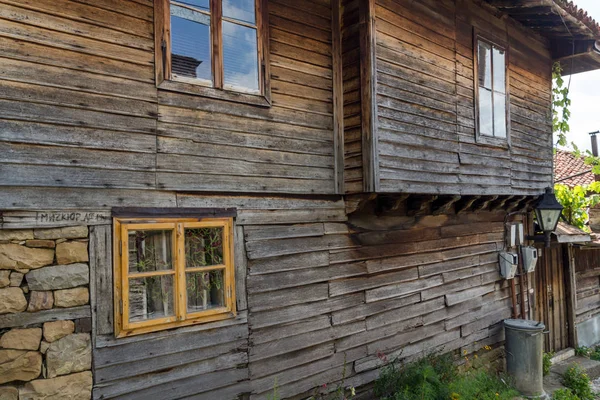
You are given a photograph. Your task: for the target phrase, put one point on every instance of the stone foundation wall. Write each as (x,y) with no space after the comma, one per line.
(45,335)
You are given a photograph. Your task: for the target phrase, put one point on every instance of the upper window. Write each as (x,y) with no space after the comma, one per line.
(491,88)
(172,272)
(217,44)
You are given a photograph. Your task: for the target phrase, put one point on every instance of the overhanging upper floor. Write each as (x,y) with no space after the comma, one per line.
(345,96)
(455,96)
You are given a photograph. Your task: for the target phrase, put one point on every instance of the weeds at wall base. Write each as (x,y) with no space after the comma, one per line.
(436,377)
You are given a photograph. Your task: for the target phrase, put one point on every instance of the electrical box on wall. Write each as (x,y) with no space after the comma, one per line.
(530,257)
(508,264)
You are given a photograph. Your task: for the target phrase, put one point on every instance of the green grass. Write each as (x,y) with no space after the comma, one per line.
(547,362)
(482,385)
(595,353)
(435,377)
(582,351)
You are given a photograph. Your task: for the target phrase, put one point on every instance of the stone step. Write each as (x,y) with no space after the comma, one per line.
(563,355)
(591,367)
(553,381)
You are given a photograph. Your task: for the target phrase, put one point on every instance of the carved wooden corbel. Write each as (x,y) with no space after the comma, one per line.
(444,204)
(465,204)
(484,203)
(357,202)
(420,205)
(514,204)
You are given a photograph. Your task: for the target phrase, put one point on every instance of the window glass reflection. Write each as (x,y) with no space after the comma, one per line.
(241,10)
(190,44)
(240,57)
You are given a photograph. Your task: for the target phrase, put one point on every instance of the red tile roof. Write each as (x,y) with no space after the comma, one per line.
(555,19)
(580,14)
(570,170)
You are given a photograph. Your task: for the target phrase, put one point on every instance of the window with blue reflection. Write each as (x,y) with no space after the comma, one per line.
(230,60)
(190,43)
(240,57)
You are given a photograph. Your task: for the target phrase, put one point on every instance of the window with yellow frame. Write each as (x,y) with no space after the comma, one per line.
(172,272)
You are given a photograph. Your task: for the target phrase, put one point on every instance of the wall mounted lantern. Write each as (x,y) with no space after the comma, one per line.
(547,213)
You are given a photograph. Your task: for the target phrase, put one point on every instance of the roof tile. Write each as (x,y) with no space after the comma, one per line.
(570,170)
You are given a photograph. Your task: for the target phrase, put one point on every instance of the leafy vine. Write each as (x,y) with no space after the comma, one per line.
(579,199)
(560,105)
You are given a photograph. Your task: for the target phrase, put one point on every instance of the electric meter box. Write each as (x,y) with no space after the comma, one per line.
(530,257)
(508,264)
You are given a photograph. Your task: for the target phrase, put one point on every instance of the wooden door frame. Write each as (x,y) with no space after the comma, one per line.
(564,257)
(571,292)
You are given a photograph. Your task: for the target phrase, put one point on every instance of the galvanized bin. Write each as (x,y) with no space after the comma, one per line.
(524,352)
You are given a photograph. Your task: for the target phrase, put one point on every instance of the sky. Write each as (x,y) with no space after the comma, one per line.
(585,94)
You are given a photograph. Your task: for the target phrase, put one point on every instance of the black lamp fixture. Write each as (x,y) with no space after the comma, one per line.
(547,213)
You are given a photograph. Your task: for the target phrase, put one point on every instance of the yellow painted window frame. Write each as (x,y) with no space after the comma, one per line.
(123,327)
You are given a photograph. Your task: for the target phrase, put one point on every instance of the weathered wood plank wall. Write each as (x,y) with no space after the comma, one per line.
(79,106)
(353,175)
(425,99)
(78,96)
(416,96)
(79,110)
(76,129)
(587,283)
(323,294)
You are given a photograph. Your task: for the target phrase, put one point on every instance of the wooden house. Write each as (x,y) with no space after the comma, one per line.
(207,199)
(577,259)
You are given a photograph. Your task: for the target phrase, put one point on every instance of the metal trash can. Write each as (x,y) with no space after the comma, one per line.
(524,352)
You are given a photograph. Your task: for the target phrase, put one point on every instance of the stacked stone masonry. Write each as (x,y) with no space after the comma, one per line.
(45,329)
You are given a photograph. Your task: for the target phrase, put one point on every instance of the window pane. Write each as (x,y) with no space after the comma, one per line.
(205,290)
(499,70)
(200,4)
(240,57)
(242,10)
(499,114)
(190,44)
(485,112)
(151,298)
(203,247)
(150,250)
(484,67)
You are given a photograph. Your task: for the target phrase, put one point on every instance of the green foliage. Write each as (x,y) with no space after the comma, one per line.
(275,394)
(595,353)
(582,351)
(564,394)
(560,106)
(547,362)
(425,379)
(588,158)
(436,378)
(576,202)
(481,385)
(579,382)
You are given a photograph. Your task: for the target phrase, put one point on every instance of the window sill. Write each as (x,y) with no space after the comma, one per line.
(110,340)
(493,141)
(179,324)
(218,94)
